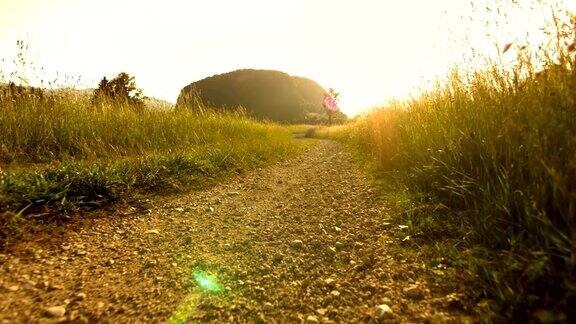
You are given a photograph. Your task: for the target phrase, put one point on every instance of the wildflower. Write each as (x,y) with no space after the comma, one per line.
(329,103)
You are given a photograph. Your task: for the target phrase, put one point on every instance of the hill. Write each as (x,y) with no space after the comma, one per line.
(264,94)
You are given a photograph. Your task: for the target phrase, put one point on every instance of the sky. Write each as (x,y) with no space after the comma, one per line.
(370,51)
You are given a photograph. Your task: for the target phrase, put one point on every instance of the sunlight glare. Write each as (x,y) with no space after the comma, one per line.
(368,50)
(208,282)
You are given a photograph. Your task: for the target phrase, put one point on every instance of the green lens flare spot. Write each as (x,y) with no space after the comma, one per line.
(207,282)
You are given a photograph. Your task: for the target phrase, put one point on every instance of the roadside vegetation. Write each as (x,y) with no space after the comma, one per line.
(483,171)
(59,153)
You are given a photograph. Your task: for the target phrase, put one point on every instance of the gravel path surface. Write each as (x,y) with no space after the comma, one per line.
(305,240)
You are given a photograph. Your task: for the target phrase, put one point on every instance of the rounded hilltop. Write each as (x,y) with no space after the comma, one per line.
(264,94)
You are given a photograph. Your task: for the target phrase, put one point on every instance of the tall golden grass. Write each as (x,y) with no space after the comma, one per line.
(490,160)
(43,130)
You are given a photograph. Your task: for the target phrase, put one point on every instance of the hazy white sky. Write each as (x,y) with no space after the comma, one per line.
(369,50)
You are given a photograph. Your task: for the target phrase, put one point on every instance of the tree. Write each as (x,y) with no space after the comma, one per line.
(333,93)
(121,91)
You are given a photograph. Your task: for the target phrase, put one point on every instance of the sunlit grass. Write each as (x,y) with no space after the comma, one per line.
(39,131)
(59,153)
(489,161)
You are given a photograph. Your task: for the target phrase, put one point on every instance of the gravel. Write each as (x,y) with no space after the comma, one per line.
(301,237)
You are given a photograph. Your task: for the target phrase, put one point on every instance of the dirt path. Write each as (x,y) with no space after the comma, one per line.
(302,240)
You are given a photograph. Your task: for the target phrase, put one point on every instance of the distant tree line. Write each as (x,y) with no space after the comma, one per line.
(12,91)
(120,91)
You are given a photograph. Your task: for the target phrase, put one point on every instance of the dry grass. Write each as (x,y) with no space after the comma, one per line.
(490,166)
(41,131)
(59,153)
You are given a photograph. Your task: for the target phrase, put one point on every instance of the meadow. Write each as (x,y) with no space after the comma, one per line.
(483,171)
(59,154)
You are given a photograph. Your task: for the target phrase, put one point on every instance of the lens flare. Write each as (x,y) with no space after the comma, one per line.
(207,282)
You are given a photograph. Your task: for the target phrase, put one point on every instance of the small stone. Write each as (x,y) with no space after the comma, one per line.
(43,285)
(179,209)
(339,245)
(265,268)
(210,209)
(337,229)
(454,300)
(56,311)
(268,307)
(297,243)
(81,253)
(110,262)
(383,311)
(13,288)
(329,281)
(259,289)
(152,231)
(81,296)
(321,311)
(29,285)
(312,319)
(335,293)
(55,287)
(414,292)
